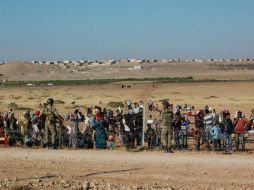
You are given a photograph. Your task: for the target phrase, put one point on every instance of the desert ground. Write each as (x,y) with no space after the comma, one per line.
(18,71)
(119,169)
(220,95)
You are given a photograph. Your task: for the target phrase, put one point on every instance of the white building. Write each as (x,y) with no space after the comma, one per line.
(164,60)
(137,67)
(134,60)
(66,61)
(198,60)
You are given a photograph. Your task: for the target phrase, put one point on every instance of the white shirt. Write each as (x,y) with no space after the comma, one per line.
(136,110)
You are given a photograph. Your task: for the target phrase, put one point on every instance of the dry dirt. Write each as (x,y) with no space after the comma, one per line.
(118,169)
(207,70)
(231,95)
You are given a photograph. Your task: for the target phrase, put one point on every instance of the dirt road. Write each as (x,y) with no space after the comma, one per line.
(119,169)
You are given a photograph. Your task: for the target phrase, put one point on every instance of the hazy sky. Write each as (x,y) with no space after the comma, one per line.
(105,29)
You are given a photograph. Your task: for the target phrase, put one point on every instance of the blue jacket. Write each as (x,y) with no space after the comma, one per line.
(215,132)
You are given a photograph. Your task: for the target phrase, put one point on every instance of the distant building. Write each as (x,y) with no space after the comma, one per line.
(244,59)
(52,62)
(164,60)
(177,60)
(137,67)
(30,84)
(66,61)
(81,61)
(134,60)
(198,60)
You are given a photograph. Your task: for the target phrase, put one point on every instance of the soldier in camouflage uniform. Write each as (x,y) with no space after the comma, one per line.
(50,124)
(166,127)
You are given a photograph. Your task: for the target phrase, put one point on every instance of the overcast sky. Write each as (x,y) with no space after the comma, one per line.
(118,29)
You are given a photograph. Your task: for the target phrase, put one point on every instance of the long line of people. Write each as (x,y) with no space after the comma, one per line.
(99,128)
(104,128)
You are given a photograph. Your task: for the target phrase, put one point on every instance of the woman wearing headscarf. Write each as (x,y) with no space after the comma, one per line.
(75,118)
(100,127)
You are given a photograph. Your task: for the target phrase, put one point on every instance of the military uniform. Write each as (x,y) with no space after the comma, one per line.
(50,124)
(167,128)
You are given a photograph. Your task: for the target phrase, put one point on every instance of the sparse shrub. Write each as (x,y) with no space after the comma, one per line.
(211,97)
(15,106)
(175,93)
(59,102)
(17,97)
(12,105)
(108,96)
(166,99)
(115,104)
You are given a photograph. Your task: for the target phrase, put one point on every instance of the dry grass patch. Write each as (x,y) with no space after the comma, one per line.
(211,97)
(115,104)
(79,97)
(15,106)
(59,102)
(234,99)
(175,93)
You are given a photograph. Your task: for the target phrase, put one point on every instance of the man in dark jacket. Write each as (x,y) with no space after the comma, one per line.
(177,128)
(227,128)
(199,125)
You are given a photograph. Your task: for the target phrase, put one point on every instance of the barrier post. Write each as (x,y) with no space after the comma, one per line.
(143,128)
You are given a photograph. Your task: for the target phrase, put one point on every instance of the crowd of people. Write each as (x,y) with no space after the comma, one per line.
(97,128)
(219,130)
(103,128)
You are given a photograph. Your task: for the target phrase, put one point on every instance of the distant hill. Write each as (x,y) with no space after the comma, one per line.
(24,71)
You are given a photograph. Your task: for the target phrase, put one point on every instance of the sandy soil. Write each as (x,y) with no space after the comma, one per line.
(26,71)
(119,169)
(79,169)
(231,95)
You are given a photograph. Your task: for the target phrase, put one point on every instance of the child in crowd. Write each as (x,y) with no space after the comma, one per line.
(184,132)
(216,136)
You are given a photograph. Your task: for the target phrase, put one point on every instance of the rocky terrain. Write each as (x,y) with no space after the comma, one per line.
(119,169)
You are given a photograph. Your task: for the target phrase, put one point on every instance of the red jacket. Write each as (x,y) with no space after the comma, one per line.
(240,124)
